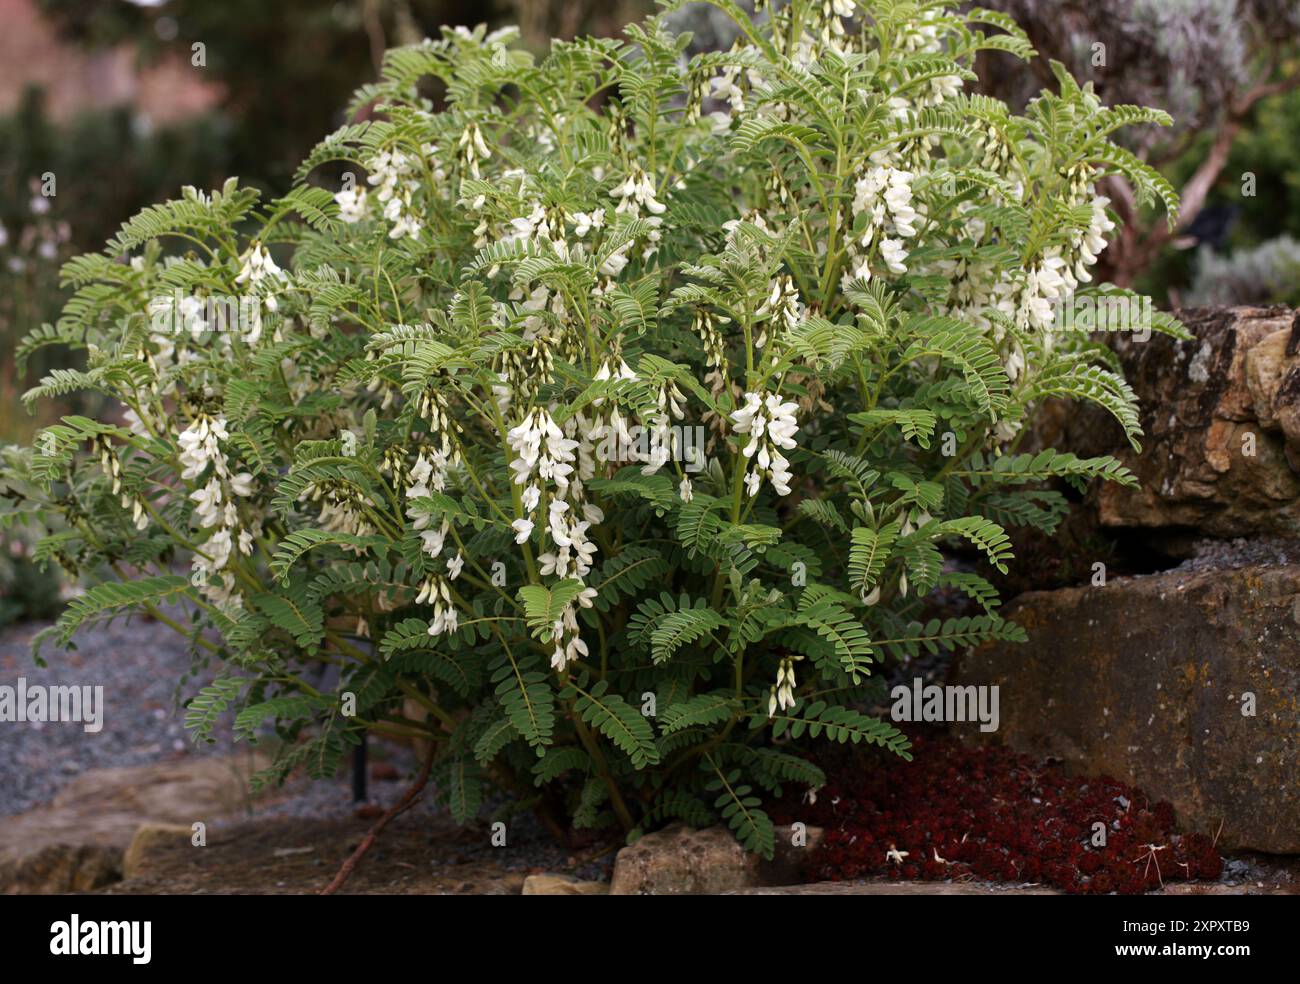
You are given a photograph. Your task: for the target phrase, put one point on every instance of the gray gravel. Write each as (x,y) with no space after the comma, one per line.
(146,672)
(1227,554)
(139,665)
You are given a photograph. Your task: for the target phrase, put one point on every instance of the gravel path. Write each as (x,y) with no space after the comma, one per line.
(141,665)
(138,663)
(145,671)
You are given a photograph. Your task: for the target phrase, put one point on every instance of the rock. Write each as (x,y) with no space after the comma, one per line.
(1217,888)
(882,887)
(681,861)
(103,808)
(561,885)
(1221,427)
(1147,679)
(57,869)
(148,839)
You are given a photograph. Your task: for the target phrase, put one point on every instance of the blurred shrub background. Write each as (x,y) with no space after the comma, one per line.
(108,105)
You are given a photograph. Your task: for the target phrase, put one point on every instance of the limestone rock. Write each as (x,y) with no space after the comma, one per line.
(58,869)
(1221,422)
(103,808)
(896,888)
(1183,683)
(148,839)
(550,884)
(681,861)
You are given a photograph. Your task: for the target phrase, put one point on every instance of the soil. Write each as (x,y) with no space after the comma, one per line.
(417,854)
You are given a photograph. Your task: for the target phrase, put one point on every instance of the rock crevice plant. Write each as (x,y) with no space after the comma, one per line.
(612,422)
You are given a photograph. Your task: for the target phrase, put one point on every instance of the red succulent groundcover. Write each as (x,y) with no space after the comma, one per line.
(955,812)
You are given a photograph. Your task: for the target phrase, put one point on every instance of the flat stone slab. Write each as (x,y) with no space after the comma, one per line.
(71,844)
(1185,684)
(895,888)
(898,888)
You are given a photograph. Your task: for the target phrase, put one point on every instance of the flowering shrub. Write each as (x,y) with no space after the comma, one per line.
(611,429)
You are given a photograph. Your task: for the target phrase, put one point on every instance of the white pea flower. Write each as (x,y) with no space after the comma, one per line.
(207,503)
(258,266)
(543,450)
(432,540)
(585,222)
(523,530)
(616,261)
(894,254)
(454,566)
(219,546)
(531,497)
(445,618)
(771,426)
(352,204)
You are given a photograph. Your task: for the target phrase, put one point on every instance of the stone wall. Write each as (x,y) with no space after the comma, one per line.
(1185,681)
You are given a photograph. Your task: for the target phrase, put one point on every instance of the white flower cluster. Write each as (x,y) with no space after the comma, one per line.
(545,466)
(729,86)
(663,444)
(611,425)
(610,429)
(428,475)
(1031,300)
(564,633)
(352,204)
(705,325)
(782,692)
(397,176)
(771,427)
(112,467)
(884,196)
(921,32)
(636,199)
(1089,244)
(782,311)
(260,273)
(473,149)
(545,455)
(215,507)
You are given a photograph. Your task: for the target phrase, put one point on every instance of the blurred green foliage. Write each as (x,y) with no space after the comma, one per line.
(27,590)
(287,67)
(1271,151)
